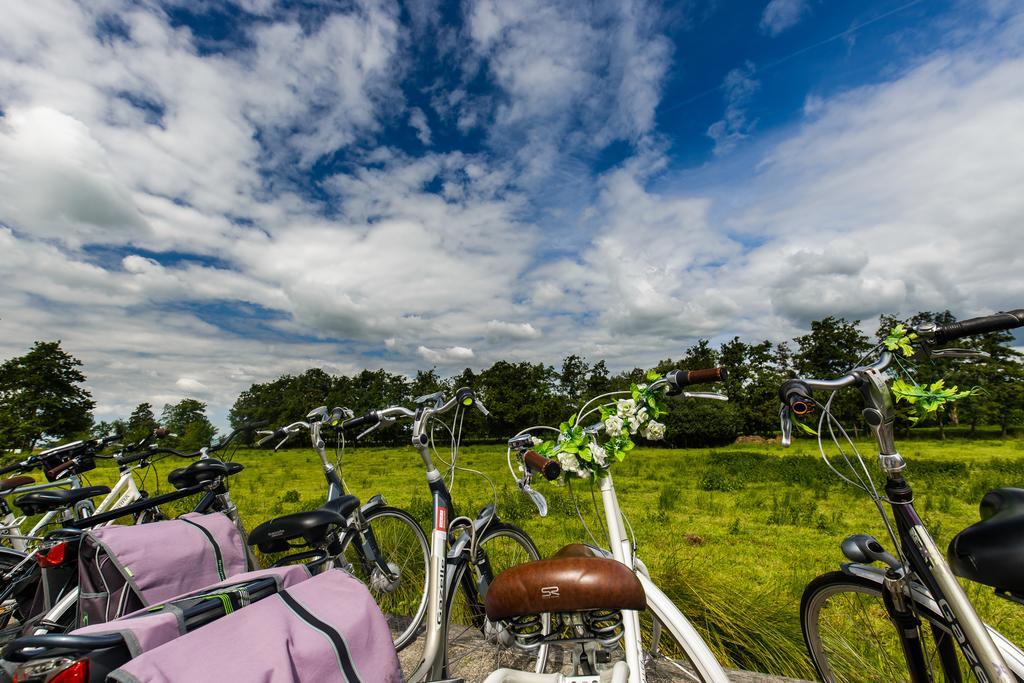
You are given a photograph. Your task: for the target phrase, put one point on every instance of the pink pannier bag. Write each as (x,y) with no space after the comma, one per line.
(122,569)
(151,627)
(326,629)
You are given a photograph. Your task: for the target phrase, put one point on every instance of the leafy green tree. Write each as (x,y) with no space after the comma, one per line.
(187,418)
(141,423)
(572,380)
(41,396)
(103,428)
(833,347)
(753,384)
(599,380)
(518,395)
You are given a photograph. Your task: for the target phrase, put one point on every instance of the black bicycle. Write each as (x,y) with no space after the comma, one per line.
(911,618)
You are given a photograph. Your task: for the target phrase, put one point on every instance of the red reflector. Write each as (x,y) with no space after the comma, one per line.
(54,557)
(76,673)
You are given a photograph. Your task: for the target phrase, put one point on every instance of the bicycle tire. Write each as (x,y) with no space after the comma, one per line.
(849,635)
(404,546)
(463,633)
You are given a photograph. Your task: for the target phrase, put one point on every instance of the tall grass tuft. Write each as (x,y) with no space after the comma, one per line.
(747,627)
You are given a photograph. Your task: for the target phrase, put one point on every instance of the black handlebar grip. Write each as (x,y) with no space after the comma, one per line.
(133,457)
(797,396)
(683,378)
(357,422)
(255,424)
(16,467)
(546,466)
(983,325)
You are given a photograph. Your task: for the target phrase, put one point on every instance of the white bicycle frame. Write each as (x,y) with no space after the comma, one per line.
(661,606)
(10,525)
(123,492)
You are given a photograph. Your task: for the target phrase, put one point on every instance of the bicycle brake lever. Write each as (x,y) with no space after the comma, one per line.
(537,498)
(959,353)
(704,394)
(383,420)
(786,424)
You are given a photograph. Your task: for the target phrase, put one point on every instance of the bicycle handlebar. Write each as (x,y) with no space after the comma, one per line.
(464,396)
(369,418)
(998,322)
(16,467)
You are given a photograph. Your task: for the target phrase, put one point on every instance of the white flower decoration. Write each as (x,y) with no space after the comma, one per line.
(570,463)
(598,453)
(613,425)
(654,431)
(625,407)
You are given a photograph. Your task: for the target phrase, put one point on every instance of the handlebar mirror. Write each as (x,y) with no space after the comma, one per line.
(437,398)
(520,442)
(317,414)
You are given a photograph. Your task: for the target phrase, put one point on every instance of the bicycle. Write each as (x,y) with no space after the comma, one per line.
(383,546)
(586,599)
(465,553)
(63,466)
(53,575)
(889,608)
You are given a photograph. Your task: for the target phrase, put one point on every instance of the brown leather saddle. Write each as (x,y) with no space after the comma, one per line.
(575,579)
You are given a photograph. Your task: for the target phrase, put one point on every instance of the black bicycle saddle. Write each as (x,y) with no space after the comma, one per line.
(991,552)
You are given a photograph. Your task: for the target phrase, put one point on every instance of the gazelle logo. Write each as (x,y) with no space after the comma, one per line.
(549,592)
(965,644)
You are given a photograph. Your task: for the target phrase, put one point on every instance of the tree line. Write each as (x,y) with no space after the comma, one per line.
(41,397)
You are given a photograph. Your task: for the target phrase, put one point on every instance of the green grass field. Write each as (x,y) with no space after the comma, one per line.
(732,534)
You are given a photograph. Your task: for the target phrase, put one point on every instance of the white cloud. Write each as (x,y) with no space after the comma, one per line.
(499,330)
(191,386)
(418,120)
(739,87)
(56,181)
(574,77)
(780,15)
(449,356)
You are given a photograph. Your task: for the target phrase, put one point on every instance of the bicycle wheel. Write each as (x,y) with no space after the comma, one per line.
(850,637)
(16,596)
(475,645)
(403,546)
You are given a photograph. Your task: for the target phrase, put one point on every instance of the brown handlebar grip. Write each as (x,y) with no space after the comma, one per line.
(546,466)
(707,376)
(54,472)
(682,378)
(161,432)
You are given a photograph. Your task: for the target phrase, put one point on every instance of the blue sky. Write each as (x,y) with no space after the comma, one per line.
(198,195)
